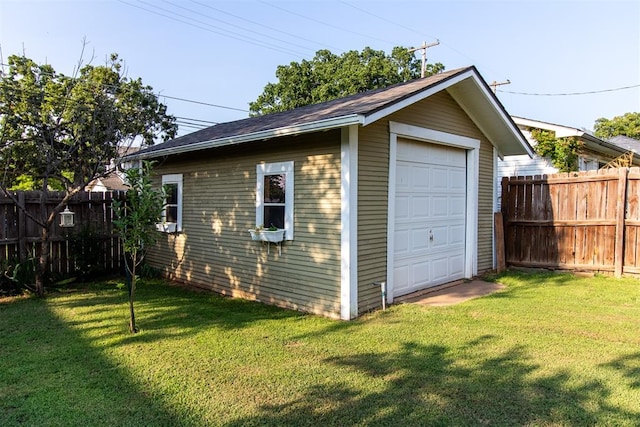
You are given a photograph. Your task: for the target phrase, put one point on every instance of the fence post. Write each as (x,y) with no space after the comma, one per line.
(620,221)
(22,228)
(501,263)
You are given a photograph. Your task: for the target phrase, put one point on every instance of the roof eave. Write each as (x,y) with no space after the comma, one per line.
(473,94)
(319,125)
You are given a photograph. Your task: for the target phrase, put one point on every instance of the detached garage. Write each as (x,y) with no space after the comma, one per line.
(391,185)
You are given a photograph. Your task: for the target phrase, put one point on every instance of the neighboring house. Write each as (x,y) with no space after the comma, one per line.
(594,154)
(394,185)
(114,181)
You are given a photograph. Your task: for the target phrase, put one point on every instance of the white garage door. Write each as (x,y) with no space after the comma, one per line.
(430,215)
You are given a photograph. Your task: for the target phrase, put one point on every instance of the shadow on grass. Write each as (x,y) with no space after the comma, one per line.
(164,312)
(64,378)
(61,379)
(436,385)
(629,367)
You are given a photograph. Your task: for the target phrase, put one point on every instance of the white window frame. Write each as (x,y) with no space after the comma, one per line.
(172,227)
(280,168)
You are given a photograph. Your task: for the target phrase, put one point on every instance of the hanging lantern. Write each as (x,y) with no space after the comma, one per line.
(66,218)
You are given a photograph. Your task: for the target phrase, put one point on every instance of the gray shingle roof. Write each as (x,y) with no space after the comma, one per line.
(625,142)
(364,104)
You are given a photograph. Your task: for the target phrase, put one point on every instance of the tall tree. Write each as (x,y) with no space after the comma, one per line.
(328,76)
(135,221)
(65,131)
(627,125)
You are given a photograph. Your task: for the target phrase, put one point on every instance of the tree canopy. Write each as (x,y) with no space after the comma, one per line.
(68,128)
(626,125)
(62,132)
(329,76)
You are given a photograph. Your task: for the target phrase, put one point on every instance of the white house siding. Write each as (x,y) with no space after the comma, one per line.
(215,251)
(439,112)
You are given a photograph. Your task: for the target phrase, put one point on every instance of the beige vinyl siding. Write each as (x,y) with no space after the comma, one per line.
(439,112)
(373,181)
(215,250)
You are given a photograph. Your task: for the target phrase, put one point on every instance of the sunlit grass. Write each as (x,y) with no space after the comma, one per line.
(547,350)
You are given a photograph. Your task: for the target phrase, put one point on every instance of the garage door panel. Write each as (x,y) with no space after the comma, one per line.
(440,178)
(402,177)
(457,180)
(401,242)
(402,207)
(401,277)
(440,206)
(419,178)
(457,235)
(430,222)
(440,269)
(419,207)
(456,266)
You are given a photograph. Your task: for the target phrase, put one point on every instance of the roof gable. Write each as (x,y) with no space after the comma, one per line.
(362,109)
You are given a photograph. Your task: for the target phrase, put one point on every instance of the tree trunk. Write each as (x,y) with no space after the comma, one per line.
(43,260)
(132,290)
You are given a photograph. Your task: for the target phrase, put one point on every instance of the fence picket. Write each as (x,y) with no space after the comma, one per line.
(585,221)
(20,235)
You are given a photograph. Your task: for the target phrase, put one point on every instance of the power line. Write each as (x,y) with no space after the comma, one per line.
(205,103)
(239,37)
(570,93)
(444,44)
(233,25)
(335,27)
(297,36)
(207,122)
(2,64)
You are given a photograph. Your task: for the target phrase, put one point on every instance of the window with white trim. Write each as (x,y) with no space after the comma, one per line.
(172,212)
(274,196)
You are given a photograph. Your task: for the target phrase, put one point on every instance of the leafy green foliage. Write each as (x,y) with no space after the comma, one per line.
(62,132)
(17,276)
(54,126)
(328,76)
(563,152)
(627,125)
(135,222)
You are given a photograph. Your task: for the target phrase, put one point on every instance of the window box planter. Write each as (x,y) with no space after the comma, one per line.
(275,236)
(269,236)
(166,227)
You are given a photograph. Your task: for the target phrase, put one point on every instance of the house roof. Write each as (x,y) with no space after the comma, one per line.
(590,141)
(629,144)
(113,181)
(464,84)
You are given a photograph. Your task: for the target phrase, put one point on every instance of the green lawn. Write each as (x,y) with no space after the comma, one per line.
(548,350)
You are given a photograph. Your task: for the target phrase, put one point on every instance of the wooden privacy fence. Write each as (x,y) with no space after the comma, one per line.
(577,221)
(90,244)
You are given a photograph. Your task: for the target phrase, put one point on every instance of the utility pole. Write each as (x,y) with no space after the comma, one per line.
(424,48)
(495,84)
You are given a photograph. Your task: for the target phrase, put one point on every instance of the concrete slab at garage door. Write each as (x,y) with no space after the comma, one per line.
(430,215)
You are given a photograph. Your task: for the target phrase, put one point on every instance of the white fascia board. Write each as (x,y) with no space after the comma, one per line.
(483,90)
(559,130)
(320,125)
(417,97)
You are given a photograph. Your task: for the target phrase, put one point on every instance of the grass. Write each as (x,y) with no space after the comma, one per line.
(548,350)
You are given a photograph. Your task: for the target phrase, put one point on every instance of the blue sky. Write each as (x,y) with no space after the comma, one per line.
(225,52)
